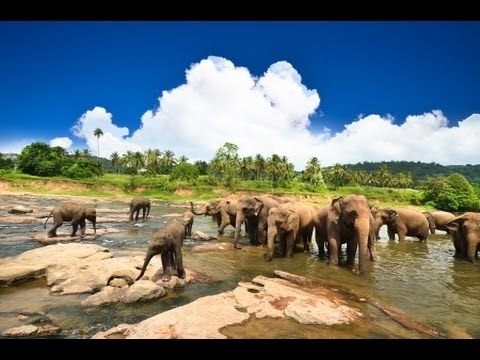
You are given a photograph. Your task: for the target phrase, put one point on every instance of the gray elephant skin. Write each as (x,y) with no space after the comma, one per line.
(465,233)
(254,210)
(167,242)
(138,204)
(75,213)
(224,211)
(403,221)
(350,221)
(292,222)
(440,220)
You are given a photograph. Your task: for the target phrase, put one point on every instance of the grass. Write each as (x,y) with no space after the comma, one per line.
(161,188)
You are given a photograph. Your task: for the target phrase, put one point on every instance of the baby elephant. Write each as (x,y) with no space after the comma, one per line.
(75,213)
(138,204)
(167,242)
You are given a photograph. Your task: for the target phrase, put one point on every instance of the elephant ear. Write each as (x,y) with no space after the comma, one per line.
(293,222)
(258,206)
(392,214)
(455,224)
(336,206)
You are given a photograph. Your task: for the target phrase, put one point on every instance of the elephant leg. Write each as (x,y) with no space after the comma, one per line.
(74,229)
(391,233)
(401,236)
(82,227)
(351,251)
(136,214)
(53,231)
(290,242)
(179,262)
(334,247)
(472,250)
(167,266)
(261,233)
(321,248)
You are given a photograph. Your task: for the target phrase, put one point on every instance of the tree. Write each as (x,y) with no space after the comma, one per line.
(152,161)
(40,159)
(184,171)
(115,159)
(313,173)
(98,132)
(452,193)
(202,167)
(167,162)
(259,164)
(226,164)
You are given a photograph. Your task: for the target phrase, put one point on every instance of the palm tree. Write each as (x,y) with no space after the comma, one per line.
(115,159)
(98,132)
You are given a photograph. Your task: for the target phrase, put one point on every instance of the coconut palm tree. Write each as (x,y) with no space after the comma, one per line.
(115,159)
(98,132)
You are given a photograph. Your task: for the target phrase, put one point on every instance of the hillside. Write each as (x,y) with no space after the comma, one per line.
(421,170)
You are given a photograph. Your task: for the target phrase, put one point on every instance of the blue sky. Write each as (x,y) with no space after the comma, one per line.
(342,91)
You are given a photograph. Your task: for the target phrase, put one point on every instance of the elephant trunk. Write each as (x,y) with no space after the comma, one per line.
(471,245)
(149,256)
(238,223)
(362,228)
(203,211)
(271,233)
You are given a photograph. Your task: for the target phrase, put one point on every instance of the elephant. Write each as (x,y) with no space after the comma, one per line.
(253,209)
(223,210)
(187,219)
(320,217)
(291,221)
(403,221)
(431,221)
(167,242)
(465,233)
(350,221)
(75,213)
(440,220)
(138,204)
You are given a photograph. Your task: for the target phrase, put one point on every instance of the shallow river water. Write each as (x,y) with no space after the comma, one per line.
(420,279)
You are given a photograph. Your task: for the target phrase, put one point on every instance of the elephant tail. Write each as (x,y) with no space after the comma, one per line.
(48,217)
(147,260)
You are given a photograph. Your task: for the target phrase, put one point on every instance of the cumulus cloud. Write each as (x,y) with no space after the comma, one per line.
(221,102)
(63,142)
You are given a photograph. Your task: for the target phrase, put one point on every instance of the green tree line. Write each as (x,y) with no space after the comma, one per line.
(453,192)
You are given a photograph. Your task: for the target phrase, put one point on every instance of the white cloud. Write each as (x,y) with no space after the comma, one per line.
(15,147)
(63,142)
(221,102)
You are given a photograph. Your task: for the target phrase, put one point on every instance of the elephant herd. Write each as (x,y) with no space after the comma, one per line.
(270,220)
(346,220)
(167,241)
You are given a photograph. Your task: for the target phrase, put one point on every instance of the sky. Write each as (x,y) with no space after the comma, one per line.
(343,91)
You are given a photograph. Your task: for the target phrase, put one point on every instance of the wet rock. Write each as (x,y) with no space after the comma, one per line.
(201,236)
(20,210)
(34,263)
(223,246)
(63,235)
(107,295)
(204,317)
(24,330)
(143,290)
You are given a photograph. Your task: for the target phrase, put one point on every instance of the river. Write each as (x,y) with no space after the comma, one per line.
(420,279)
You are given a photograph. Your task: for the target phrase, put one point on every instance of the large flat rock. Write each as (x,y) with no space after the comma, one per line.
(205,317)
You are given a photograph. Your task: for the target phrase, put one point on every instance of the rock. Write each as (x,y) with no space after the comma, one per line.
(20,210)
(63,236)
(143,290)
(108,295)
(204,317)
(201,236)
(118,282)
(24,330)
(223,246)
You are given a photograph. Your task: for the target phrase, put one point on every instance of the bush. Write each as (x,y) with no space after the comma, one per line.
(184,171)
